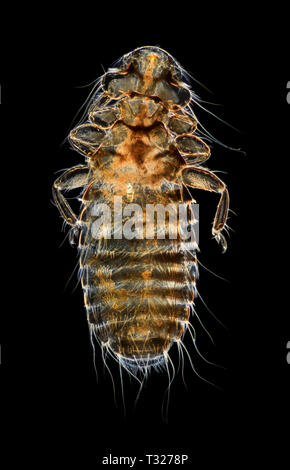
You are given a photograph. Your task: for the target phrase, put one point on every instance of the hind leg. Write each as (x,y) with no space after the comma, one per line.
(73,178)
(203,179)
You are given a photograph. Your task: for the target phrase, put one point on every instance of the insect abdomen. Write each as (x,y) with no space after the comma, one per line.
(137,292)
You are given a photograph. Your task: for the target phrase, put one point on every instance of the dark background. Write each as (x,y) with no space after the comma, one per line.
(54,409)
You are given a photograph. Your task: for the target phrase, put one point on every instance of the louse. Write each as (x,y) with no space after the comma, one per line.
(140,144)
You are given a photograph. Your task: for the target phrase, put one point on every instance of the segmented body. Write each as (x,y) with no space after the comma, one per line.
(140,146)
(137,292)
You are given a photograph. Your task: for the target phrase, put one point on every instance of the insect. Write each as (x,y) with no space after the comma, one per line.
(141,148)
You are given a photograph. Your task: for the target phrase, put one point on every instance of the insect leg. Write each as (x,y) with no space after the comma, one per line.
(192,148)
(73,178)
(208,181)
(104,118)
(182,124)
(87,138)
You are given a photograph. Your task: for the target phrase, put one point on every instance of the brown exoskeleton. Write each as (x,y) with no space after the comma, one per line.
(140,144)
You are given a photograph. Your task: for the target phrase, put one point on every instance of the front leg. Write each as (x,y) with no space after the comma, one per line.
(208,181)
(73,178)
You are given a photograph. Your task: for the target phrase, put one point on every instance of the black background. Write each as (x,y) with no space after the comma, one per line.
(54,409)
